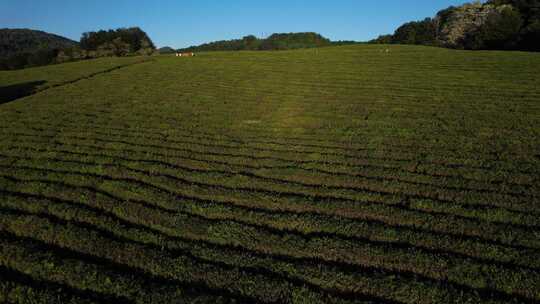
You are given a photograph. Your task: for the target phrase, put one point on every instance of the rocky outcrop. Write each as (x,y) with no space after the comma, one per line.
(456,23)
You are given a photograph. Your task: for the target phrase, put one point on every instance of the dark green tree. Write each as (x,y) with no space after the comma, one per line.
(42,57)
(529,34)
(250,42)
(416,32)
(134,37)
(274,42)
(383,39)
(501,30)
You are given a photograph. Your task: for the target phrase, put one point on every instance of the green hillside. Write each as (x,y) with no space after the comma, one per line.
(16,41)
(355,174)
(20,48)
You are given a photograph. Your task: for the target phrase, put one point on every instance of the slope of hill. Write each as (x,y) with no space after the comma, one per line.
(166,50)
(336,175)
(20,83)
(16,41)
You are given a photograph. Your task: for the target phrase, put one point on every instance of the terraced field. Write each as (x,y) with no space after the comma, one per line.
(338,175)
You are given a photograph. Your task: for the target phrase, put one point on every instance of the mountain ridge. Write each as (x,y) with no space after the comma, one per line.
(15,41)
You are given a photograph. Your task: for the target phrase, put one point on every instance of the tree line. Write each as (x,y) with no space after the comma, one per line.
(23,47)
(283,41)
(33,48)
(118,42)
(493,25)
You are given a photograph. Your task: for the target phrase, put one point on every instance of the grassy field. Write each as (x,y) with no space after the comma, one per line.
(338,175)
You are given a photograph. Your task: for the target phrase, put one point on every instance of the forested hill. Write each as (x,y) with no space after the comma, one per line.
(492,25)
(17,41)
(27,48)
(283,41)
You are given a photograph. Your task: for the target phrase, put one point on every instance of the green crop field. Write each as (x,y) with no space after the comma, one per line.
(334,175)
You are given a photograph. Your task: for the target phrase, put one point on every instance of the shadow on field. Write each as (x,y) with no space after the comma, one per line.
(16,91)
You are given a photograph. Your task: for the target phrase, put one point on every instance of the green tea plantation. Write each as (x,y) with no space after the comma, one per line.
(355,174)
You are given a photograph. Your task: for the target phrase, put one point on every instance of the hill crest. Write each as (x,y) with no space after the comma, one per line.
(16,41)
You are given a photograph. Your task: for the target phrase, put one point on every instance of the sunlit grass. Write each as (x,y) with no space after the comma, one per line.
(340,175)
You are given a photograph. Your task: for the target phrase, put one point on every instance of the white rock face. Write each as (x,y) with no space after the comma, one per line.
(463,20)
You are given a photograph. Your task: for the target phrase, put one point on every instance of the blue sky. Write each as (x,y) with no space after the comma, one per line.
(183,23)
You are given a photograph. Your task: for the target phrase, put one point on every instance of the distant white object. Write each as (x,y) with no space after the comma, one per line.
(387,50)
(185,54)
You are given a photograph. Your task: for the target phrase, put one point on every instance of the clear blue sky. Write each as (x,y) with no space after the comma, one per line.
(182,23)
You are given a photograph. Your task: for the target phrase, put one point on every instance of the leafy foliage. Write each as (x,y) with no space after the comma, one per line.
(529,34)
(496,24)
(274,177)
(284,41)
(119,42)
(21,48)
(421,32)
(18,41)
(26,48)
(382,39)
(294,41)
(500,31)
